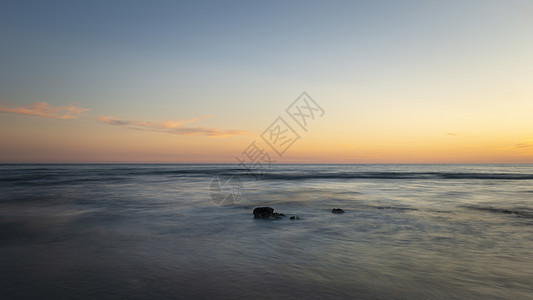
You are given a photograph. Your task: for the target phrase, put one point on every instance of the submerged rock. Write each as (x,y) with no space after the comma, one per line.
(295,218)
(277,216)
(337,211)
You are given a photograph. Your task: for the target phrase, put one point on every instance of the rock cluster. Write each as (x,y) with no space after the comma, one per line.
(267,213)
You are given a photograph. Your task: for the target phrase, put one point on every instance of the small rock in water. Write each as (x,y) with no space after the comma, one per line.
(337,211)
(267,213)
(295,218)
(277,216)
(263,212)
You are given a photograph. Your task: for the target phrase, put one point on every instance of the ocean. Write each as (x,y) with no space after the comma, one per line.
(186,231)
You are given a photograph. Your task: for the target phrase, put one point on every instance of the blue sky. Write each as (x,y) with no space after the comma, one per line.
(242,62)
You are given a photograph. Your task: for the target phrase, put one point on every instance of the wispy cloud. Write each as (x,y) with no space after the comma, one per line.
(526,146)
(175,127)
(43,109)
(456,134)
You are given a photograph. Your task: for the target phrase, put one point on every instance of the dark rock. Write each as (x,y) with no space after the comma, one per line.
(277,216)
(295,218)
(266,212)
(263,212)
(337,211)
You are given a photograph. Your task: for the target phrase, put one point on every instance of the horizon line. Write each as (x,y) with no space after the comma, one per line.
(227,163)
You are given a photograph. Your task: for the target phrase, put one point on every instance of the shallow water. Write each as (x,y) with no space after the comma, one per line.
(156,231)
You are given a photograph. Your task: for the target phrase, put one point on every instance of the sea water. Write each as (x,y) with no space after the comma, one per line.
(169,231)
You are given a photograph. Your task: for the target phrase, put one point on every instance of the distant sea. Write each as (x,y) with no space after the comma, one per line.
(187,231)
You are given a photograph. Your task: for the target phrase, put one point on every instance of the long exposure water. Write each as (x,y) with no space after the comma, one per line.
(157,231)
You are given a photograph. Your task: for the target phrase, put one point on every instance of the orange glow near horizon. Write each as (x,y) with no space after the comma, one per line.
(405,85)
(87,141)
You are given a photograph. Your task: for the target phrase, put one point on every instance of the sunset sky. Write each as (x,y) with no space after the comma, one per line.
(199,81)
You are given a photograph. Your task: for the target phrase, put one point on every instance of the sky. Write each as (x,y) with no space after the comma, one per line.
(205,81)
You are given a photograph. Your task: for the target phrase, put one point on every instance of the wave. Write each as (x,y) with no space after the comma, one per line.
(121,173)
(518,213)
(396,175)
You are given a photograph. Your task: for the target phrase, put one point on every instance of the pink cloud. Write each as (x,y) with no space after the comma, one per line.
(43,109)
(175,127)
